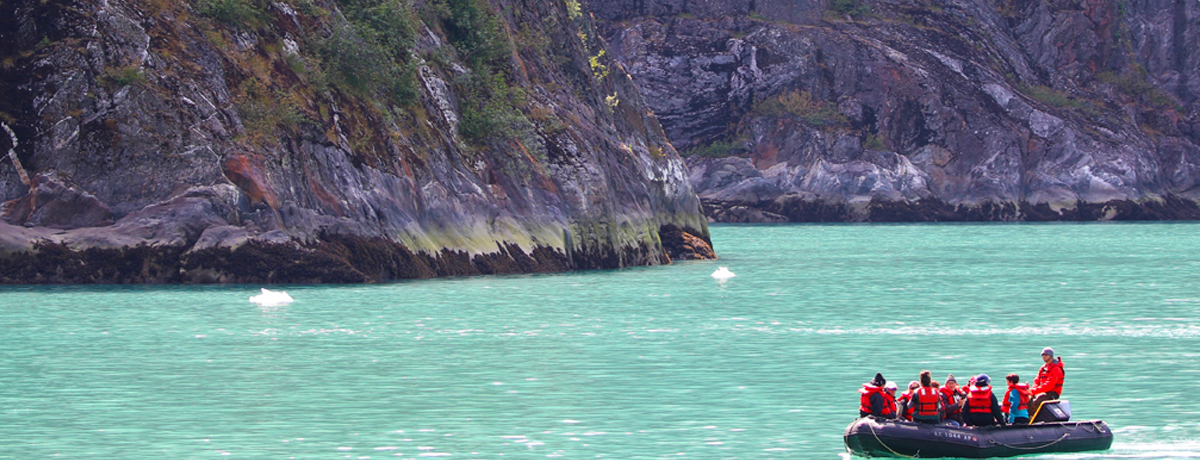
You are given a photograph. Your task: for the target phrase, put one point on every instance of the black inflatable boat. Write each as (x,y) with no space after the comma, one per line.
(871,437)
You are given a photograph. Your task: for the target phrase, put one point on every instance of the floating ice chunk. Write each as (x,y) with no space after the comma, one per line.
(723,274)
(271,298)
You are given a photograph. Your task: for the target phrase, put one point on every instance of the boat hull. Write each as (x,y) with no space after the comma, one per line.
(870,437)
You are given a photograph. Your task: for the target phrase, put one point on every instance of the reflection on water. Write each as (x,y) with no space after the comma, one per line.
(640,363)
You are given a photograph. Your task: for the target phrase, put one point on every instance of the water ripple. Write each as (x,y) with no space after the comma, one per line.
(641,363)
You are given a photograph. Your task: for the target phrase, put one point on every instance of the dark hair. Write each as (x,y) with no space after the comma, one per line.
(1012,378)
(926,378)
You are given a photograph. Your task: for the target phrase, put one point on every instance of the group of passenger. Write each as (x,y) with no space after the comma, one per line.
(928,401)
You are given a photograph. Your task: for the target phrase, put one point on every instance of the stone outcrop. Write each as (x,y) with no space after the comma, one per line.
(917,110)
(681,245)
(323,141)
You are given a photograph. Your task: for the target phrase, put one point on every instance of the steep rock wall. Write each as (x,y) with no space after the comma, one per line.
(917,110)
(323,141)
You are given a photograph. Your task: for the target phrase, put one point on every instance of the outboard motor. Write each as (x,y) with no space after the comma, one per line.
(1053,411)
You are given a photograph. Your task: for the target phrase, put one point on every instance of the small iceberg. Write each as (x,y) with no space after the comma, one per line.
(722,274)
(270,298)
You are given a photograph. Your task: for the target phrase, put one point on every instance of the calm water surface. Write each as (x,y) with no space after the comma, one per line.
(661,362)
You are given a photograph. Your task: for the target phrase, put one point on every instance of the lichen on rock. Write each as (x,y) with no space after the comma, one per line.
(357,141)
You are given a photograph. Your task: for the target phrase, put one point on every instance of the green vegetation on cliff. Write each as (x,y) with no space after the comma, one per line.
(366,51)
(802,105)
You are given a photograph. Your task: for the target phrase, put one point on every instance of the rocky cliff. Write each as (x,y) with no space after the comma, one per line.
(924,110)
(324,141)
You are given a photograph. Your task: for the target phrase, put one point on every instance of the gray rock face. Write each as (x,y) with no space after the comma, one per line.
(790,11)
(50,203)
(964,110)
(200,146)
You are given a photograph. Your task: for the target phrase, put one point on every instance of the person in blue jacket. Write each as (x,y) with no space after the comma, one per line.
(1016,400)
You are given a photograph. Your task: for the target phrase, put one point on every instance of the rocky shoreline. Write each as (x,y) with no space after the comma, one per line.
(798,209)
(239,141)
(325,141)
(329,258)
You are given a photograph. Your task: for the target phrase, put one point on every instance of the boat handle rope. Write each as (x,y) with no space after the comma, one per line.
(1051,443)
(1095,425)
(993,441)
(885,446)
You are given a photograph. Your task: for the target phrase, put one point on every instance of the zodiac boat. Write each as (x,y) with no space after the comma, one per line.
(872,437)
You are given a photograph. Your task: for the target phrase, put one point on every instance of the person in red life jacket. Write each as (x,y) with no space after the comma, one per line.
(927,402)
(952,396)
(904,401)
(1049,382)
(1016,400)
(890,408)
(981,408)
(872,402)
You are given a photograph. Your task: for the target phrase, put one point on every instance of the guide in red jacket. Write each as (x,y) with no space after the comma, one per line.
(1049,382)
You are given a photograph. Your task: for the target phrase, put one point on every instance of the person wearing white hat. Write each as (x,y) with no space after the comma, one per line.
(890,409)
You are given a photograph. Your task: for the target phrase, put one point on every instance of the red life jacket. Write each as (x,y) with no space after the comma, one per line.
(1050,377)
(929,402)
(889,406)
(948,399)
(908,408)
(979,400)
(1021,389)
(867,390)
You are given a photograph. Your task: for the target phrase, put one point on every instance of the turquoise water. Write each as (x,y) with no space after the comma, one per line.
(660,362)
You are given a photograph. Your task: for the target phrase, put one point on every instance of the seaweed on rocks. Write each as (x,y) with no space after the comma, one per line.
(50,262)
(333,258)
